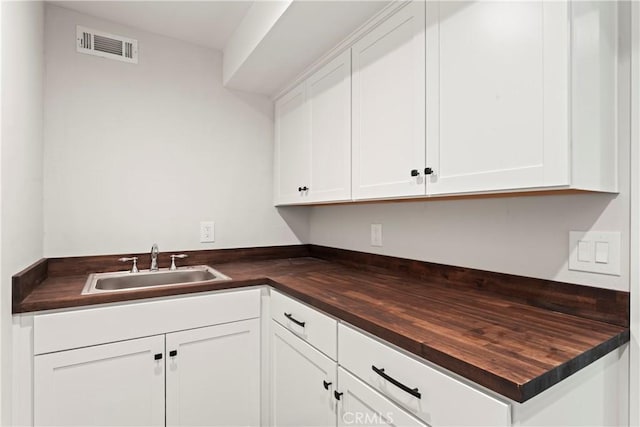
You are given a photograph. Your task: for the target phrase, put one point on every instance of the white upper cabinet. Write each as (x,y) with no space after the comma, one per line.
(329,98)
(388,135)
(455,98)
(292,147)
(499,96)
(497,92)
(313,137)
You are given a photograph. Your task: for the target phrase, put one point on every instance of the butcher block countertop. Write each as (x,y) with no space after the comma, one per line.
(516,336)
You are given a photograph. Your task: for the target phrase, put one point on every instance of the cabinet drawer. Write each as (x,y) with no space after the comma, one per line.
(98,325)
(436,398)
(361,405)
(316,328)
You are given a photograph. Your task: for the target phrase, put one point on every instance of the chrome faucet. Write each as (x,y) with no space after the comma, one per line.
(154,257)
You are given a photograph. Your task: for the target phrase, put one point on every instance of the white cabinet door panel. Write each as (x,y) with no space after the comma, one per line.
(497,95)
(298,377)
(292,147)
(118,384)
(214,377)
(329,98)
(362,406)
(389,107)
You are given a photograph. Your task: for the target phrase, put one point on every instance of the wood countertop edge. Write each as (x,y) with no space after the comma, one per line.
(136,295)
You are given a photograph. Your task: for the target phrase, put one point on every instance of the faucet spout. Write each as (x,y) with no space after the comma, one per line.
(154,257)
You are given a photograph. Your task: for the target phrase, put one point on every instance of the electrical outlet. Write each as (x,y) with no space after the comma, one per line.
(207,232)
(376,234)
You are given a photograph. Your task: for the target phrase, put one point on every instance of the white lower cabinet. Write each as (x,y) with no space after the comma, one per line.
(303,382)
(360,405)
(213,375)
(374,384)
(431,395)
(206,375)
(319,372)
(118,384)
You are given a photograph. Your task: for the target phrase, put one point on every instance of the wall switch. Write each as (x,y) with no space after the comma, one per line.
(585,251)
(595,252)
(602,252)
(376,234)
(207,232)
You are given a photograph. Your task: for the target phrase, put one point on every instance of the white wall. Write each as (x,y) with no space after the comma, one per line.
(136,154)
(21,162)
(527,236)
(634,377)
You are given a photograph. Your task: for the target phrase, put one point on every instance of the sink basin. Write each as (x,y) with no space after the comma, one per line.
(125,280)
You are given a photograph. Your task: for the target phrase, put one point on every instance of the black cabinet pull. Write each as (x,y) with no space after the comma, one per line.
(305,188)
(173,353)
(412,391)
(337,395)
(297,322)
(414,172)
(157,356)
(428,171)
(326,385)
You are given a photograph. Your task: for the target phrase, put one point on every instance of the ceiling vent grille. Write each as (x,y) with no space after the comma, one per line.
(99,43)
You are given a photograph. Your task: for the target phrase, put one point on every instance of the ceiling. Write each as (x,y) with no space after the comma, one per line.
(205,23)
(295,39)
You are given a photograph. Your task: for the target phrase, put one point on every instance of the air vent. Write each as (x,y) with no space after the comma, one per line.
(94,42)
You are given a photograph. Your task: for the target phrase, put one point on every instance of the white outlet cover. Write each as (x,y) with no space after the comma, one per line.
(588,239)
(207,231)
(376,234)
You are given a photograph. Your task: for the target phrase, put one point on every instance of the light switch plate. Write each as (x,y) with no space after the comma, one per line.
(595,252)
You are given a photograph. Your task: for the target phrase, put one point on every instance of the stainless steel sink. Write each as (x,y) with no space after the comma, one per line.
(125,280)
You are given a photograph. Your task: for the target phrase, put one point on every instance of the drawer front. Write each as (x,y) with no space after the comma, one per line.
(309,324)
(434,397)
(359,404)
(99,325)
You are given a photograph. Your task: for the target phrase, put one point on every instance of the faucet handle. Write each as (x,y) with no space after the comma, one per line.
(173,260)
(134,267)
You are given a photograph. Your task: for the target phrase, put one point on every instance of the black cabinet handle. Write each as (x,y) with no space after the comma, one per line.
(414,172)
(337,395)
(428,171)
(157,356)
(297,322)
(412,391)
(305,188)
(326,385)
(173,353)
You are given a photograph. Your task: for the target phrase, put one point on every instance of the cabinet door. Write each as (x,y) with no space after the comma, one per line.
(213,375)
(292,156)
(362,406)
(329,98)
(497,95)
(302,382)
(389,107)
(119,384)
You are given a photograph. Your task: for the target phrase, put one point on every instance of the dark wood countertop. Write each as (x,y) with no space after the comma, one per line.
(493,338)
